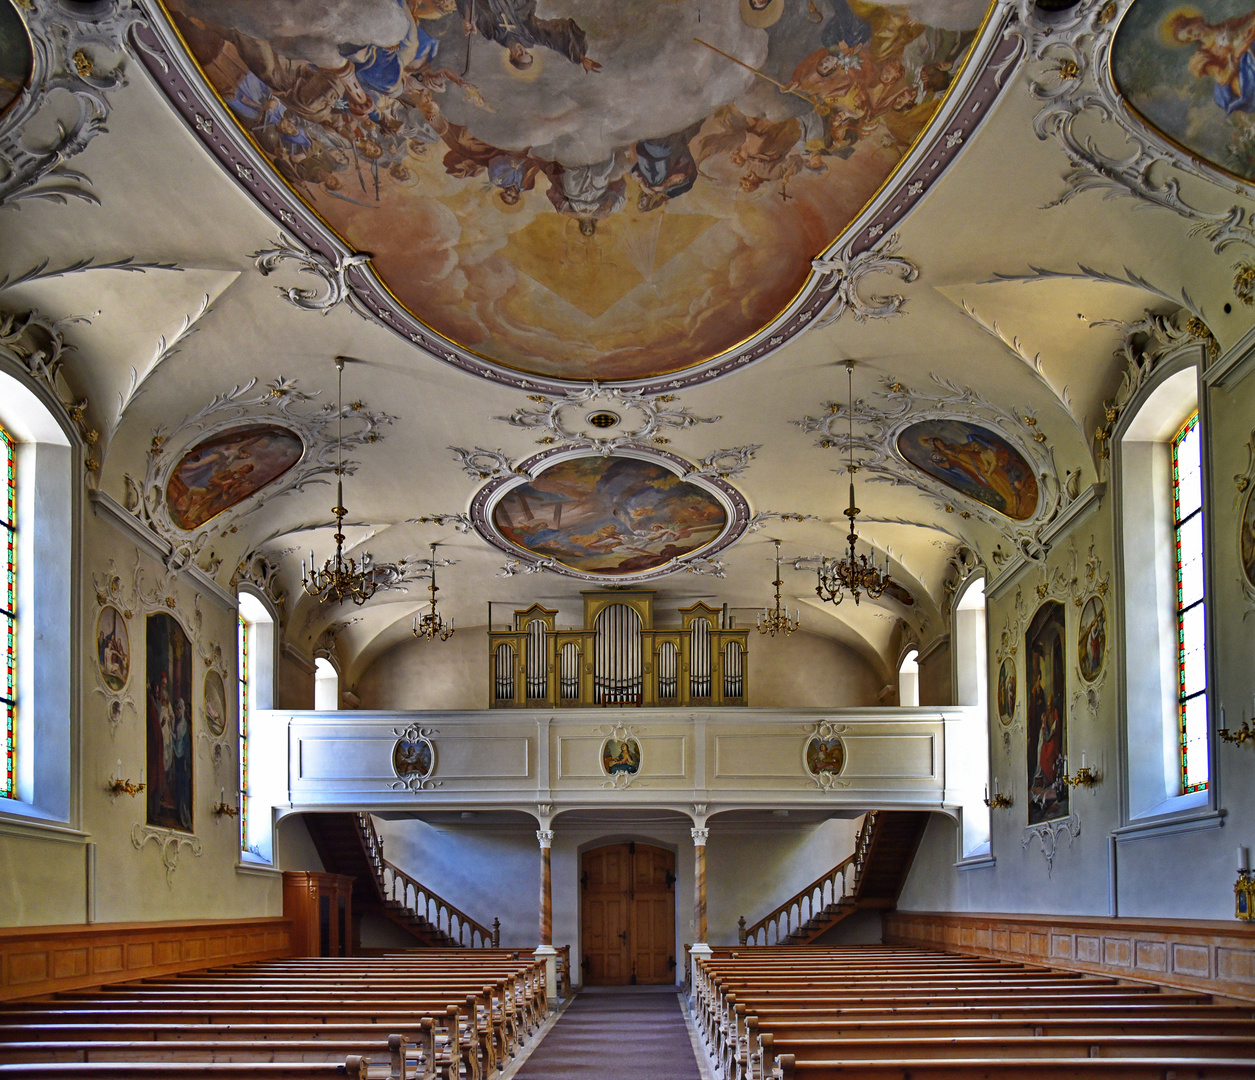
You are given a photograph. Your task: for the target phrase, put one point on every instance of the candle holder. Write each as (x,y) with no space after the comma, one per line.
(1085,777)
(116,786)
(1244,734)
(223,810)
(999,801)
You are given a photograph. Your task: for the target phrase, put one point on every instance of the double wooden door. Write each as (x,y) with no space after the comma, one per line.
(628,915)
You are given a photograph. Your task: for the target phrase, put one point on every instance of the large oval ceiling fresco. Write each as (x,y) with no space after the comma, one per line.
(1189,71)
(612,516)
(600,189)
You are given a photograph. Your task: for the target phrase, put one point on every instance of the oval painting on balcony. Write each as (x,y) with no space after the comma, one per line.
(1188,70)
(975,462)
(413,757)
(585,189)
(621,757)
(609,515)
(825,755)
(16,56)
(226,469)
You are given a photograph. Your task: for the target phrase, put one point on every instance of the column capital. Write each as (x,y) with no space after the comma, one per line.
(545,836)
(699,836)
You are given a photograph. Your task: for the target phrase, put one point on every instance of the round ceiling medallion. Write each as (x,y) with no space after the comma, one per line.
(625,516)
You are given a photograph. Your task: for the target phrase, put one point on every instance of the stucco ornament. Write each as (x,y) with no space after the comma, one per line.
(824,756)
(842,273)
(414,759)
(1048,835)
(621,756)
(169,844)
(1245,506)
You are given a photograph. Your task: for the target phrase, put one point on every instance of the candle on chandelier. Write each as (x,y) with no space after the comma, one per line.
(1244,859)
(995,785)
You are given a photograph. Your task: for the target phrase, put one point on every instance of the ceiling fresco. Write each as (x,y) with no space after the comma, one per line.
(16,56)
(1189,71)
(595,190)
(610,516)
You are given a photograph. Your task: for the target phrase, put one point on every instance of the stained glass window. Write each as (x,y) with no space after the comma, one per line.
(1187,520)
(8,608)
(243,670)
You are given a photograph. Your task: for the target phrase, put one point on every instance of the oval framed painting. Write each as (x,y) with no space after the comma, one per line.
(621,757)
(17,56)
(113,648)
(226,468)
(215,704)
(1091,638)
(1246,542)
(824,754)
(414,757)
(975,462)
(1006,691)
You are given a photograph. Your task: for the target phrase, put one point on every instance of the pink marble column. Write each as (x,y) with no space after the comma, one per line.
(545,836)
(699,884)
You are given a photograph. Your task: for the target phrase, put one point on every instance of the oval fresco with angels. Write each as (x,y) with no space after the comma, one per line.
(584,190)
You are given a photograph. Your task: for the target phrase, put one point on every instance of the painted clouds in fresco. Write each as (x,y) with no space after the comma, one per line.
(617,202)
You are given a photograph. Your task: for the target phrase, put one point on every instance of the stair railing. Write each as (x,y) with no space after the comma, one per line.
(808,903)
(396,885)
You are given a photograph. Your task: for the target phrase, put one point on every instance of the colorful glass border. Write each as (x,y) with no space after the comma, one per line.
(1186,430)
(8,611)
(243,684)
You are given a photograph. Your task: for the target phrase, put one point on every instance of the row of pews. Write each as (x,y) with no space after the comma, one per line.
(429,1014)
(879,1012)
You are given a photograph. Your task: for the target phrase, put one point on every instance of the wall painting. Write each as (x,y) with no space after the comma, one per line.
(226,469)
(585,189)
(215,704)
(16,56)
(113,648)
(413,757)
(1091,638)
(1006,691)
(1188,70)
(975,462)
(1046,671)
(621,756)
(169,717)
(1246,542)
(825,755)
(609,515)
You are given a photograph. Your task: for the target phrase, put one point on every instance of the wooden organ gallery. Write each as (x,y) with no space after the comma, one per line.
(910,345)
(619,657)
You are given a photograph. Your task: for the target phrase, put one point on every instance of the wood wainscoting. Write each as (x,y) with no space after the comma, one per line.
(1212,956)
(37,960)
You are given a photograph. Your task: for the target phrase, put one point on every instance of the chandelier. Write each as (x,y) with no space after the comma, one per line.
(777,621)
(432,625)
(340,577)
(855,574)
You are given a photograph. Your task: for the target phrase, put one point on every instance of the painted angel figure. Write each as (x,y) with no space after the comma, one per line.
(513,24)
(1223,54)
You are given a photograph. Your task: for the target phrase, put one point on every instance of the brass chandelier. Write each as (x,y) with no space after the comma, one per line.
(776,621)
(432,625)
(855,574)
(340,577)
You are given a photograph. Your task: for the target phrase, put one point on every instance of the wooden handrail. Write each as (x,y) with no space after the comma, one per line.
(444,916)
(814,898)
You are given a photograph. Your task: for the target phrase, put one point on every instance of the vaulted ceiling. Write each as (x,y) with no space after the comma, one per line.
(989,282)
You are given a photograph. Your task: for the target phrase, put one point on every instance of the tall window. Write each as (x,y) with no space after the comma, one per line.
(908,679)
(1187,522)
(326,685)
(8,607)
(243,670)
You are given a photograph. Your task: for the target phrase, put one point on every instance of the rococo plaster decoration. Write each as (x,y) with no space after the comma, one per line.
(823,756)
(460,522)
(37,345)
(78,57)
(1048,834)
(510,477)
(865,248)
(414,759)
(881,458)
(281,404)
(634,417)
(760,519)
(626,736)
(169,843)
(1072,78)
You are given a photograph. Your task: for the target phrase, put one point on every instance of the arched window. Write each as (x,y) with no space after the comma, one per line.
(970,647)
(908,679)
(967,742)
(256,675)
(326,685)
(1159,472)
(38,546)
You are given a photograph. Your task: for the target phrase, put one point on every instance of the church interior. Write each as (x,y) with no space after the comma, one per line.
(731,500)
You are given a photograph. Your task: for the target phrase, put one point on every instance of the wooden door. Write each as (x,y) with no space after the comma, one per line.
(628,915)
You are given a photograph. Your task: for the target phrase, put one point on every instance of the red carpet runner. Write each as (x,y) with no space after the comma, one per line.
(616,1033)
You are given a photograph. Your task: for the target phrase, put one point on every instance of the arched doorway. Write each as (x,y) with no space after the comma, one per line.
(627,914)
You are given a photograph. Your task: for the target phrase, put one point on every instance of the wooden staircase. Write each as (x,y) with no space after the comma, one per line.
(348,844)
(871,878)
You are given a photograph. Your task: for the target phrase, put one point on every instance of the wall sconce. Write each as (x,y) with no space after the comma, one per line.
(1244,888)
(117,786)
(999,801)
(1085,776)
(1243,734)
(222,809)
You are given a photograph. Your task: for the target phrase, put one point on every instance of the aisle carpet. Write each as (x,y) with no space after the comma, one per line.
(616,1033)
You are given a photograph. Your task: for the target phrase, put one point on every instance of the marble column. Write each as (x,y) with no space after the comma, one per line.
(699,885)
(545,950)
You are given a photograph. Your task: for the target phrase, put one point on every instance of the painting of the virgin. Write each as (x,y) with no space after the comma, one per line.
(169,721)
(975,462)
(226,469)
(1188,70)
(1047,714)
(621,756)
